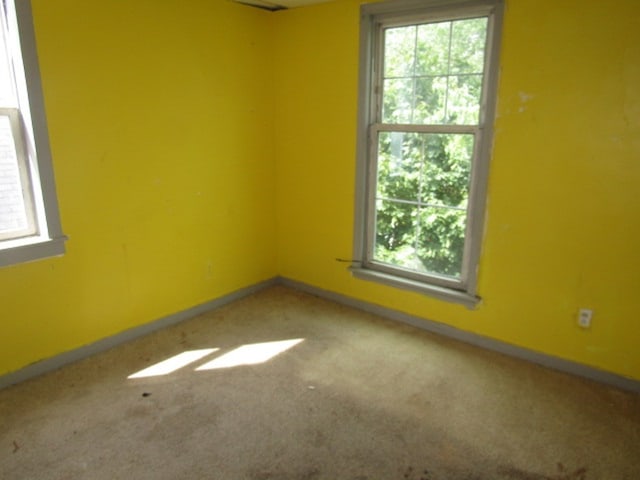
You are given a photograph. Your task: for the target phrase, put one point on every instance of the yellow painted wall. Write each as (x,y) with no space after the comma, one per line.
(159,115)
(201,146)
(563,227)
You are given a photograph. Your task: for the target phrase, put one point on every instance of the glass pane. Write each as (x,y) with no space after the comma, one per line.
(431,94)
(447,169)
(433,73)
(7,90)
(440,243)
(463,100)
(468,39)
(398,100)
(399,47)
(13,215)
(399,165)
(396,234)
(432,56)
(422,195)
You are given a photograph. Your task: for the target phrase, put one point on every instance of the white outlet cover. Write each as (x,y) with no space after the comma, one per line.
(584,317)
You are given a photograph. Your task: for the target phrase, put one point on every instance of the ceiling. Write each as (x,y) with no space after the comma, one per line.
(280,4)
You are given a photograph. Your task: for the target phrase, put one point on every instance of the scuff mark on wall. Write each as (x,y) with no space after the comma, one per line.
(524,99)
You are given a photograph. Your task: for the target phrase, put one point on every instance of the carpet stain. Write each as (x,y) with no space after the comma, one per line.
(562,474)
(308,475)
(421,474)
(506,472)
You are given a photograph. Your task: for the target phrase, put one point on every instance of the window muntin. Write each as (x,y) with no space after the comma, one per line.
(426,107)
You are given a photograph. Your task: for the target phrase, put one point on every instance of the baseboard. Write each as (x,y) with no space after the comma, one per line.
(71,356)
(545,360)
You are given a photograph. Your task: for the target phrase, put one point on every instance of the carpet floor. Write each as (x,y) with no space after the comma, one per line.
(282,385)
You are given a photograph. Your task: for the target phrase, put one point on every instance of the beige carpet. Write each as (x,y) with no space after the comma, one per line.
(355,398)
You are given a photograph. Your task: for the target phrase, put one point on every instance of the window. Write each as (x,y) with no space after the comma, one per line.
(427,99)
(29,223)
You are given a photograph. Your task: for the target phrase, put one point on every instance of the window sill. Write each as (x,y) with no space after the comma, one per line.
(441,293)
(29,249)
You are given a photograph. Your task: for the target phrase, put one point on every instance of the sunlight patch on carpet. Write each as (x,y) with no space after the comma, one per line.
(250,354)
(174,363)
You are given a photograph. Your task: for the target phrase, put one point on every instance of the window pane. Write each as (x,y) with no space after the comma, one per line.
(13,215)
(399,46)
(463,100)
(431,94)
(7,93)
(468,38)
(433,73)
(440,244)
(424,240)
(422,195)
(396,234)
(398,100)
(447,169)
(432,47)
(429,168)
(399,165)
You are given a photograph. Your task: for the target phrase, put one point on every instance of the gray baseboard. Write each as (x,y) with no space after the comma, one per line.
(545,360)
(85,351)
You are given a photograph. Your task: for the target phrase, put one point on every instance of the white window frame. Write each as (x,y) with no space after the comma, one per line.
(44,237)
(393,13)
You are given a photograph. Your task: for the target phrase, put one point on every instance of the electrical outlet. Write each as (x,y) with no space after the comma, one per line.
(584,317)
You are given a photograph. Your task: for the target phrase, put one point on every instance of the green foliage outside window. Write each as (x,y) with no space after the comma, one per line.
(432,76)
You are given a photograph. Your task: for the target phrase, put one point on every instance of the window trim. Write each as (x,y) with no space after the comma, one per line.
(409,12)
(49,239)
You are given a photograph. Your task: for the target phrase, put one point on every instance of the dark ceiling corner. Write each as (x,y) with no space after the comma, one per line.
(272,7)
